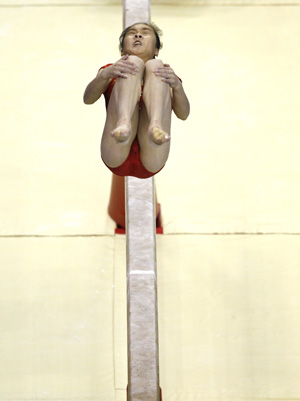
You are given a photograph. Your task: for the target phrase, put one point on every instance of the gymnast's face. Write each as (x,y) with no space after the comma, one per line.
(140,41)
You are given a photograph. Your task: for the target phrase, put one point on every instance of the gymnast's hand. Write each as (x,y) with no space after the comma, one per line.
(168,75)
(120,68)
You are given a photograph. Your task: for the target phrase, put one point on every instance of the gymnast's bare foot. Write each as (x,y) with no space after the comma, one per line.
(122,132)
(158,135)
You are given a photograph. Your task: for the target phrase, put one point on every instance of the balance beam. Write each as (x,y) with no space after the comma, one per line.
(135,11)
(142,321)
(142,325)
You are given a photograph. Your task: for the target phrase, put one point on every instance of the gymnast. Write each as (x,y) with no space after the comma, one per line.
(140,92)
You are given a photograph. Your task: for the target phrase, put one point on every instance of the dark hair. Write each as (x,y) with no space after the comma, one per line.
(158,33)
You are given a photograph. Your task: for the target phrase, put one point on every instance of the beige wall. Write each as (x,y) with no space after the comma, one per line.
(153,2)
(228,261)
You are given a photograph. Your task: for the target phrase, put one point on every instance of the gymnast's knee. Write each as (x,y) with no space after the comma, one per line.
(153,63)
(137,61)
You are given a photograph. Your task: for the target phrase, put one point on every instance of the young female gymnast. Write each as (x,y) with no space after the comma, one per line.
(140,93)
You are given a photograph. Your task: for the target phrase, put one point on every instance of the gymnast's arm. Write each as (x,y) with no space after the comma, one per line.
(96,87)
(99,85)
(180,102)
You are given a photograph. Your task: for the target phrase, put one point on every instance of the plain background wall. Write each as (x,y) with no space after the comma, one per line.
(228,261)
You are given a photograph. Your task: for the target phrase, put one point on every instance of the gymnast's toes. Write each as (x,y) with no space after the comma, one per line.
(158,135)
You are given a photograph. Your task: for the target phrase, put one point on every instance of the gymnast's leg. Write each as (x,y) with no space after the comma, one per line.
(155,119)
(122,117)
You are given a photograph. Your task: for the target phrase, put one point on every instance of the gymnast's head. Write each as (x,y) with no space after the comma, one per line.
(141,38)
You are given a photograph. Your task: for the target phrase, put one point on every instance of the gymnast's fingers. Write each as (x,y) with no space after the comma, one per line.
(129,67)
(160,72)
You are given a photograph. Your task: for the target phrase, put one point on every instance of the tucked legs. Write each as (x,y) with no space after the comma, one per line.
(124,119)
